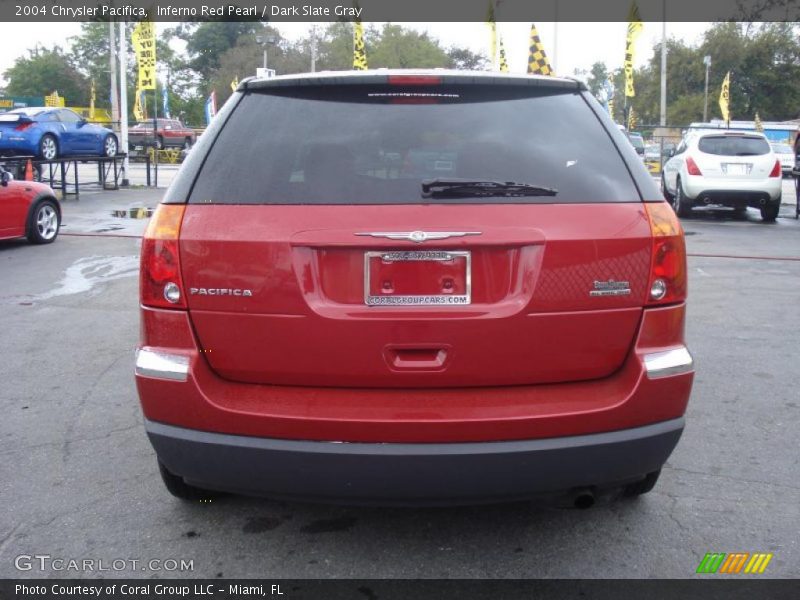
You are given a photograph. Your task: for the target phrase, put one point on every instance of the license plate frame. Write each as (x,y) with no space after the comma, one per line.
(388,300)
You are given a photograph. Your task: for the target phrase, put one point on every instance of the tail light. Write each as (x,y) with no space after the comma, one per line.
(23,126)
(776,170)
(668,259)
(160,283)
(691,167)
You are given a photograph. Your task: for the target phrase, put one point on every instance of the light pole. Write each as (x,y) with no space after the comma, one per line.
(265,40)
(707,63)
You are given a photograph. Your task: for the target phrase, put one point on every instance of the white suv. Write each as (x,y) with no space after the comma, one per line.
(729,168)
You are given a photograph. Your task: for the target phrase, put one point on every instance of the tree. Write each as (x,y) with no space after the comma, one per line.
(44,71)
(207,42)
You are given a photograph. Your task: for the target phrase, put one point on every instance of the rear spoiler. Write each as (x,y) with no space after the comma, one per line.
(15,118)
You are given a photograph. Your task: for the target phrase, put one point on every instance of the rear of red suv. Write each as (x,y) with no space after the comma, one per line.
(413,287)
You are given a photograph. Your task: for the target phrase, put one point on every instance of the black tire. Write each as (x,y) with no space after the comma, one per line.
(642,487)
(159,143)
(680,203)
(187,143)
(180,489)
(44,222)
(769,212)
(664,189)
(110,146)
(48,147)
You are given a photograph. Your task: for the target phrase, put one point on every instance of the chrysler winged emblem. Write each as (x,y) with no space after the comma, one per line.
(418,236)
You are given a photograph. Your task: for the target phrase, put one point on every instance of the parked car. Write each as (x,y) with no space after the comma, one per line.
(727,168)
(785,154)
(50,133)
(637,141)
(28,209)
(170,133)
(334,320)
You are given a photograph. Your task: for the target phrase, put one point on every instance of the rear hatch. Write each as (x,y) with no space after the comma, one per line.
(735,156)
(365,235)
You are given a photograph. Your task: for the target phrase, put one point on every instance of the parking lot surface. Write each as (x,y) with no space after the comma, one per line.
(78,478)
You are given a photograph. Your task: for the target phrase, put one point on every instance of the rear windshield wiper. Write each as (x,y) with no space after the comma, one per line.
(460,188)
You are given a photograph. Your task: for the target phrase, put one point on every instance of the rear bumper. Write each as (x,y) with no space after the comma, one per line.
(403,473)
(736,193)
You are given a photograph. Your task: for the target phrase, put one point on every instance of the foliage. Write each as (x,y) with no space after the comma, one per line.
(43,71)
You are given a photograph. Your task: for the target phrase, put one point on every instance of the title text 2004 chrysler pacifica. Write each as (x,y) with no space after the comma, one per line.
(413,287)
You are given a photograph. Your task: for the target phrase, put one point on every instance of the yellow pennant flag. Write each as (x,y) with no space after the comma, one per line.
(138,109)
(144,46)
(634,29)
(235,83)
(359,49)
(492,34)
(503,61)
(631,120)
(537,58)
(92,97)
(725,97)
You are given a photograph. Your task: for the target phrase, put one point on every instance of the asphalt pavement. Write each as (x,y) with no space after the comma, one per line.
(78,478)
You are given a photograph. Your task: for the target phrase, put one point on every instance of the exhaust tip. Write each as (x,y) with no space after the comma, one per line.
(584,499)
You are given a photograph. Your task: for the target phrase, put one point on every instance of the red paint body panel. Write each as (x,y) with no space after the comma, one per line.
(208,402)
(15,203)
(531,321)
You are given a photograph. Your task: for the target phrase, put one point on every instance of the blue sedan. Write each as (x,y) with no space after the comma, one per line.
(53,132)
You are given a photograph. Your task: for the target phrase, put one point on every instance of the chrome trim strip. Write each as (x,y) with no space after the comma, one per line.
(417,236)
(669,362)
(151,363)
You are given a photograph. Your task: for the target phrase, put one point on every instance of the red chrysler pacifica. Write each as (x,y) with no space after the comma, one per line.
(413,287)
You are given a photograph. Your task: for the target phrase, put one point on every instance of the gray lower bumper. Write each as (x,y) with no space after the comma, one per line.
(395,473)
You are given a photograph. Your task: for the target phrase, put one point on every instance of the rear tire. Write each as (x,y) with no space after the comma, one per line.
(160,143)
(180,489)
(769,212)
(680,203)
(642,487)
(187,143)
(48,147)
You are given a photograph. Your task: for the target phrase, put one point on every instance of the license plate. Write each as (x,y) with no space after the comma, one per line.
(735,169)
(417,278)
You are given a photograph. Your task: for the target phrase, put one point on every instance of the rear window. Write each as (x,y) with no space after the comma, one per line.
(377,144)
(733,145)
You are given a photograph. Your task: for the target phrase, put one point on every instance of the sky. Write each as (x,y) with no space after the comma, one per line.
(579,45)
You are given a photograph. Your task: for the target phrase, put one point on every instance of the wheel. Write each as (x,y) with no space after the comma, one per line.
(769,212)
(180,489)
(44,222)
(643,486)
(664,189)
(680,203)
(110,146)
(187,143)
(160,143)
(48,147)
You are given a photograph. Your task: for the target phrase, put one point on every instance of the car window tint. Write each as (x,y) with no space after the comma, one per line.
(733,145)
(376,144)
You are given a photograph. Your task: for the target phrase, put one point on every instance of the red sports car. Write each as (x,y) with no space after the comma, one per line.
(28,209)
